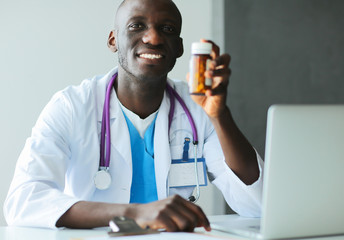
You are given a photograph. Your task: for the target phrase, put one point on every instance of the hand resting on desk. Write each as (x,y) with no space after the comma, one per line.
(173,214)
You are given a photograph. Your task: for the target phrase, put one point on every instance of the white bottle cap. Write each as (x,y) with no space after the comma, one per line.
(201,48)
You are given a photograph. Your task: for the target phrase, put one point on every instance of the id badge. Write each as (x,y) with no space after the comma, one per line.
(182,173)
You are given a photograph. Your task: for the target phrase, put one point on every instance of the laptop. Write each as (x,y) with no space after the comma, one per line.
(303,189)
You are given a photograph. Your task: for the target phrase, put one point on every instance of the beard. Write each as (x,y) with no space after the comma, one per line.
(131,67)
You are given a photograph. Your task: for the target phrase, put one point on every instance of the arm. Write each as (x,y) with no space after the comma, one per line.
(37,199)
(239,154)
(173,214)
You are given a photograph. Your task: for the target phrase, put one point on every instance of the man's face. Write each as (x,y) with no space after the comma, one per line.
(147,37)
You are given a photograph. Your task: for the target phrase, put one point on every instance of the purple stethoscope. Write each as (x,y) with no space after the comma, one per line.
(102,178)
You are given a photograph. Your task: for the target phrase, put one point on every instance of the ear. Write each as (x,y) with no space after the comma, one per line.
(181,48)
(112,41)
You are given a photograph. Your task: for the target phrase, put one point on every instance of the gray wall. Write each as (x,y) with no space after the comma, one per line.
(282,52)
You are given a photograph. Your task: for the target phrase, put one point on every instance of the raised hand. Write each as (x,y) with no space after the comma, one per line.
(214,101)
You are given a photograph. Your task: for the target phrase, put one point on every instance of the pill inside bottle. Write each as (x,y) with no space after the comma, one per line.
(199,63)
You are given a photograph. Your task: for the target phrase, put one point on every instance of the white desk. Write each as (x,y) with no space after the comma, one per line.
(23,233)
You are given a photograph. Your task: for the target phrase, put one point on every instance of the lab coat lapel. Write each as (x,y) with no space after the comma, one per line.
(101,91)
(162,155)
(120,139)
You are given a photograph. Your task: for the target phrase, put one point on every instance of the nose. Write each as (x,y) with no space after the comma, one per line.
(152,36)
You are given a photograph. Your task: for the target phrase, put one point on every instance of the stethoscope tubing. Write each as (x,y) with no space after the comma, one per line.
(105,128)
(196,175)
(105,163)
(106,133)
(173,93)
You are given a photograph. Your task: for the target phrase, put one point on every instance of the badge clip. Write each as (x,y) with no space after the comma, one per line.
(186,149)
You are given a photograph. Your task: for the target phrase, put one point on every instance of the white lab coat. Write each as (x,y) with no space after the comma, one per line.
(58,163)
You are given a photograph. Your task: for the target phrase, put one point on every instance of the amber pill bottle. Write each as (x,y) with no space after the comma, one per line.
(199,62)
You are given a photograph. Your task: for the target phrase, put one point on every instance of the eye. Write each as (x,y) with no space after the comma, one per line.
(136,26)
(168,29)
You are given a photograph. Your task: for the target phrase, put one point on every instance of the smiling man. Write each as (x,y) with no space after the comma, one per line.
(109,146)
(147,40)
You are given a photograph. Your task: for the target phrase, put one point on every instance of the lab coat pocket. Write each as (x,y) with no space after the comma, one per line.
(182,171)
(177,141)
(177,151)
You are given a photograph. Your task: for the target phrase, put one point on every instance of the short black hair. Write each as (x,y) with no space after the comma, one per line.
(124,1)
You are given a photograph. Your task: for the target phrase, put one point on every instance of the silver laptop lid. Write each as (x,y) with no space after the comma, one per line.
(304,171)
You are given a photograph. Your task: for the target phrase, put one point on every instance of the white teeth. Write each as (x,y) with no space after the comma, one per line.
(150,56)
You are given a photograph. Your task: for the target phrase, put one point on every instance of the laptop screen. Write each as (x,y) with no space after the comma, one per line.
(304,171)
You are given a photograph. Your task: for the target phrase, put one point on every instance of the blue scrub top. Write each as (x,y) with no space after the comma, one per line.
(143,186)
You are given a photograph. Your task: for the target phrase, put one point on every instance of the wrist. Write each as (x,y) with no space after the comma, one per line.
(131,211)
(221,116)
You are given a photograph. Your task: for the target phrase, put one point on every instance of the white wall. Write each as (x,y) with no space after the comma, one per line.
(46,45)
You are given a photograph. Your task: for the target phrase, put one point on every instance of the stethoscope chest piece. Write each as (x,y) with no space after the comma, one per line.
(102,179)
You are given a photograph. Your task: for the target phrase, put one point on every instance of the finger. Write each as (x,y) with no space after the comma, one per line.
(187,215)
(198,212)
(215,50)
(193,218)
(183,219)
(202,218)
(222,61)
(220,81)
(174,217)
(168,214)
(164,221)
(154,215)
(184,214)
(208,93)
(219,76)
(220,89)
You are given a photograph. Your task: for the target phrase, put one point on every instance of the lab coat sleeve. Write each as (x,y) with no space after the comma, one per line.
(244,199)
(36,197)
